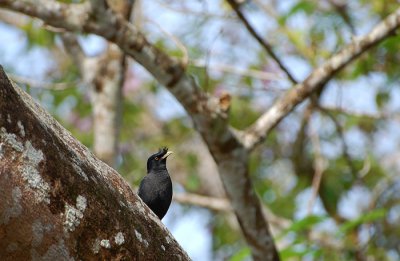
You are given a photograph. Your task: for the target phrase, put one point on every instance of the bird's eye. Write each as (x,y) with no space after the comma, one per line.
(156,158)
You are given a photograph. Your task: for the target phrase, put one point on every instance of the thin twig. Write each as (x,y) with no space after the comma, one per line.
(187,11)
(207,62)
(41,85)
(14,19)
(340,132)
(269,10)
(319,166)
(257,74)
(260,40)
(358,114)
(178,43)
(74,48)
(366,168)
(212,203)
(341,9)
(299,157)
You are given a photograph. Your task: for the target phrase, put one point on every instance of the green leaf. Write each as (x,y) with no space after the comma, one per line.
(295,251)
(382,98)
(242,254)
(303,6)
(242,113)
(307,7)
(367,218)
(303,224)
(391,43)
(193,182)
(38,36)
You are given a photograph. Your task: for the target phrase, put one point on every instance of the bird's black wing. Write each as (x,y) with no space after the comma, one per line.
(156,193)
(146,190)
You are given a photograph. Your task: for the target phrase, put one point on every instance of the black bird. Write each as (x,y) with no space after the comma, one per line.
(156,187)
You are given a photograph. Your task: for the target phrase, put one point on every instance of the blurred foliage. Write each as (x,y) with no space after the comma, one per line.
(304,33)
(37,35)
(367,218)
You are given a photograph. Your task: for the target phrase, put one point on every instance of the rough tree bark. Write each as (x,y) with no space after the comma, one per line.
(229,147)
(59,202)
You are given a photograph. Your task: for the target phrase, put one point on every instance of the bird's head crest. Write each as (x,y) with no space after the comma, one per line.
(158,159)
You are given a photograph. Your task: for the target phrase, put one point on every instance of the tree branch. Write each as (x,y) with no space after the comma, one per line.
(41,84)
(340,132)
(256,133)
(257,74)
(222,204)
(212,203)
(73,16)
(73,47)
(59,202)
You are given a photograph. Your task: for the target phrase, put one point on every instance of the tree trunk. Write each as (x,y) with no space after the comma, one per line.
(107,104)
(59,202)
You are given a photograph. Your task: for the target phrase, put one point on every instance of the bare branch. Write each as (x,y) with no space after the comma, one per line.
(257,74)
(187,11)
(256,133)
(358,114)
(340,131)
(74,17)
(177,42)
(88,66)
(268,8)
(260,40)
(341,8)
(42,85)
(212,203)
(73,47)
(300,159)
(222,204)
(13,18)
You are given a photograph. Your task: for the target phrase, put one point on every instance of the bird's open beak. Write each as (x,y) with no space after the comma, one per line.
(167,154)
